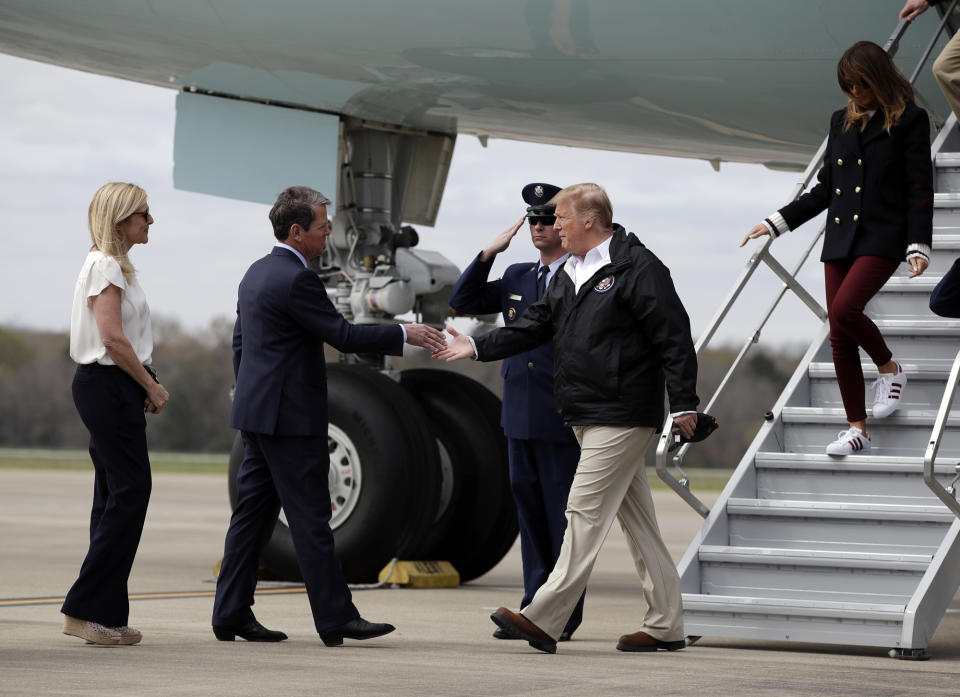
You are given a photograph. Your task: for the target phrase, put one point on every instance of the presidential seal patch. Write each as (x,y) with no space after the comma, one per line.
(604,284)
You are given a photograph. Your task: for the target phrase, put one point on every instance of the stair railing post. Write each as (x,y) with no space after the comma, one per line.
(930,456)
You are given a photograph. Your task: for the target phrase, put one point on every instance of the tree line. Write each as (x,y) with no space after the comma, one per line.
(36,405)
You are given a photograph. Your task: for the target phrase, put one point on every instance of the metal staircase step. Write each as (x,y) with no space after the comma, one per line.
(926,380)
(837,416)
(852,463)
(856,478)
(793,619)
(947,159)
(946,200)
(839,510)
(812,557)
(842,526)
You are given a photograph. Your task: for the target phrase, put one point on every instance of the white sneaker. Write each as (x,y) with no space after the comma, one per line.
(853,441)
(889,392)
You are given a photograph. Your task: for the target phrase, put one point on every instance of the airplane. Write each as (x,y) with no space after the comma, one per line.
(366,99)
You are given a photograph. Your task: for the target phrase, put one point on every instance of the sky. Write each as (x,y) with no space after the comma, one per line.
(63,133)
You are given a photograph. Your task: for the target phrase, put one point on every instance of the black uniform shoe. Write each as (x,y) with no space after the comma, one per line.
(251,631)
(355,629)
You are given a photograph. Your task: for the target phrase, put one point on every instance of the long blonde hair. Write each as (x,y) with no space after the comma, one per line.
(866,64)
(112,204)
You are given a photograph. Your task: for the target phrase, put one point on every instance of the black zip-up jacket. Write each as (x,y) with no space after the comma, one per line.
(614,341)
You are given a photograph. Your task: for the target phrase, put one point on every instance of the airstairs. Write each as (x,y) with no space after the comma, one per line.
(861,550)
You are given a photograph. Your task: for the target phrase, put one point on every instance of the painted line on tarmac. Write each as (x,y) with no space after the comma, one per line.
(19,602)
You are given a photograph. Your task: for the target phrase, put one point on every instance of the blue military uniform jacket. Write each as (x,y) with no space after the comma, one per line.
(529,408)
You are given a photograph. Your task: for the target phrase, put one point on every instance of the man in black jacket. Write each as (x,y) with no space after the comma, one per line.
(618,330)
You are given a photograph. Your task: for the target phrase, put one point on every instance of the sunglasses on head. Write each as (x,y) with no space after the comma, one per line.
(545,219)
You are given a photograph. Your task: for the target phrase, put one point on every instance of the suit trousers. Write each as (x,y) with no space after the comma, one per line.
(110,403)
(947,71)
(611,482)
(290,472)
(541,473)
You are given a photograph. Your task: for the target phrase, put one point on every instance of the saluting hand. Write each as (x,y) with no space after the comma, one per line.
(426,337)
(457,349)
(502,241)
(755,232)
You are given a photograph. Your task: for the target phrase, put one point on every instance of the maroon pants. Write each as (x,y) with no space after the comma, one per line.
(850,285)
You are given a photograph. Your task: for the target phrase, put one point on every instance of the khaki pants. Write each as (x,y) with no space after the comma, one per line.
(611,482)
(947,71)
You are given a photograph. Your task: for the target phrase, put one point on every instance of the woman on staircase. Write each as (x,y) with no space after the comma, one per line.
(876,183)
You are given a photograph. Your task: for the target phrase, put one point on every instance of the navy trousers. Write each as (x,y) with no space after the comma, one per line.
(290,472)
(110,403)
(541,473)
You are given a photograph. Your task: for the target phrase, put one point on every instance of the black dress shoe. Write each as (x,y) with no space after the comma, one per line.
(564,636)
(251,631)
(355,629)
(499,633)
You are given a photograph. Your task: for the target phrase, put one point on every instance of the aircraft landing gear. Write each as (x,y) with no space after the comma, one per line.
(385,475)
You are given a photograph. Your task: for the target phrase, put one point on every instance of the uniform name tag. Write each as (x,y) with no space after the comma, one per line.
(516,297)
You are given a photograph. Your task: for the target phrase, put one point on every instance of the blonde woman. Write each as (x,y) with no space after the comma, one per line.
(112,343)
(877,186)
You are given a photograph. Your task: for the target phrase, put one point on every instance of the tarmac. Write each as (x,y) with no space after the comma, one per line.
(442,646)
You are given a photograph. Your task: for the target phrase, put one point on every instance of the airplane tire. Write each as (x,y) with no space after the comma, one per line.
(480,523)
(385,467)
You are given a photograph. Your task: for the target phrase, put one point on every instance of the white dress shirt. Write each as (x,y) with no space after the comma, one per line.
(86,346)
(581,269)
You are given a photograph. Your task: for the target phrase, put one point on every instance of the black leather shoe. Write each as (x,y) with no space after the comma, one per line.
(355,629)
(251,631)
(499,633)
(564,636)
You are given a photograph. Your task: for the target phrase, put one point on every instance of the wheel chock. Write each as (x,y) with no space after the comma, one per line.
(420,574)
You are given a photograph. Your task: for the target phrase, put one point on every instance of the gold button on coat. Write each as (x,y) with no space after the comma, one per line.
(856,217)
(840,162)
(839,192)
(836,220)
(859,161)
(857,190)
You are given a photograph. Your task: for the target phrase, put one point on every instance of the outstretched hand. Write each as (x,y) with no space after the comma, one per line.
(755,232)
(457,349)
(502,240)
(426,337)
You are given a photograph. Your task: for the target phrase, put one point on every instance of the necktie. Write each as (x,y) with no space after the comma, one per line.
(542,281)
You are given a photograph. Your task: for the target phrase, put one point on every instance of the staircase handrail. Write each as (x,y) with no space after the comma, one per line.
(945,494)
(682,486)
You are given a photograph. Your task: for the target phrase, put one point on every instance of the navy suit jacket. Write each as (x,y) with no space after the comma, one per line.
(283,318)
(945,298)
(529,408)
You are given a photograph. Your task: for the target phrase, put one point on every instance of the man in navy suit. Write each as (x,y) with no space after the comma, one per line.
(543,452)
(280,407)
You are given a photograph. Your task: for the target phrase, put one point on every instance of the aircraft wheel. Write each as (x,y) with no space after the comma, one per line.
(384,476)
(480,524)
